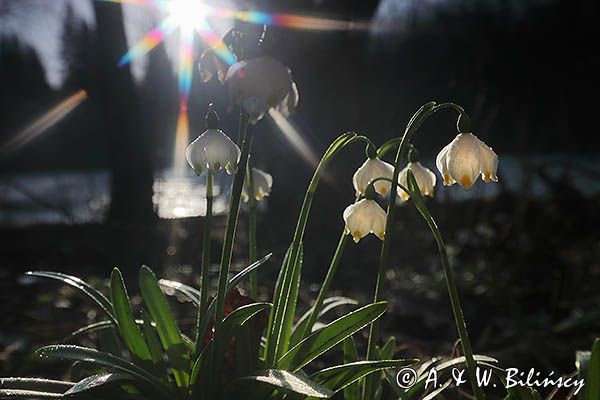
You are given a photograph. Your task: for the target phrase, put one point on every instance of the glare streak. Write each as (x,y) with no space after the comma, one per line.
(43,123)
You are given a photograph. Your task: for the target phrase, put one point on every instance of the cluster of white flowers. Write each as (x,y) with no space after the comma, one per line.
(263,83)
(461,161)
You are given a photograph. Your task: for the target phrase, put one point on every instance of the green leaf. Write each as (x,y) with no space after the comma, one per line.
(133,338)
(281,318)
(28,394)
(152,338)
(87,355)
(191,293)
(109,342)
(289,382)
(96,381)
(166,326)
(324,339)
(351,392)
(388,349)
(329,304)
(231,324)
(592,383)
(81,286)
(35,385)
(210,312)
(338,377)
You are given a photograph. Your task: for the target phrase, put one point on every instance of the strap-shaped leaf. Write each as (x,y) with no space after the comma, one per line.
(96,381)
(351,392)
(338,377)
(152,338)
(194,294)
(233,322)
(329,304)
(167,328)
(592,382)
(34,385)
(332,334)
(28,394)
(237,278)
(81,286)
(130,333)
(289,382)
(87,355)
(285,299)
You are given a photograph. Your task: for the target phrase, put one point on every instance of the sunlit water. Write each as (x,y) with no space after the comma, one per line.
(84,197)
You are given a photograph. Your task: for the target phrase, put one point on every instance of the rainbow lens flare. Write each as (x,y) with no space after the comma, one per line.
(191,16)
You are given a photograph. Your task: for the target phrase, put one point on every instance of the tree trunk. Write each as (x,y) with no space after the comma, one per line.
(129,150)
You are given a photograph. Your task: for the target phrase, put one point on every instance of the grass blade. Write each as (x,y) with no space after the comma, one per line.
(324,339)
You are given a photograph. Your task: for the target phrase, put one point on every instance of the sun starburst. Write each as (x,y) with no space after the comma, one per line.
(190,18)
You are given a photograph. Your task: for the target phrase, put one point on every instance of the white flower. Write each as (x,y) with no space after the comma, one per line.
(210,64)
(464,159)
(260,84)
(212,150)
(262,183)
(371,169)
(424,177)
(364,217)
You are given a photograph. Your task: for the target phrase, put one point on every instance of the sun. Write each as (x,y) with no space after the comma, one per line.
(188,14)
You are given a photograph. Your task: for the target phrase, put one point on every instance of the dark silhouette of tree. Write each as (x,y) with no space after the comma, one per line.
(159,104)
(128,147)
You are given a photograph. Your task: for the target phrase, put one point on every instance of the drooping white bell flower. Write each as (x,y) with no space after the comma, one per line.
(464,159)
(371,169)
(260,84)
(364,217)
(262,183)
(424,176)
(212,150)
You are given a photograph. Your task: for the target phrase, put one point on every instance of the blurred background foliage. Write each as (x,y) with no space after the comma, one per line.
(80,198)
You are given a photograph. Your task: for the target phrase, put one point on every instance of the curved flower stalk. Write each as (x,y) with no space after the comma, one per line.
(372,168)
(463,126)
(464,159)
(281,317)
(364,217)
(260,84)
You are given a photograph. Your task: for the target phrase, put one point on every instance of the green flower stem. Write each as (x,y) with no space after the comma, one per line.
(403,144)
(252,231)
(337,256)
(459,317)
(205,252)
(232,219)
(273,347)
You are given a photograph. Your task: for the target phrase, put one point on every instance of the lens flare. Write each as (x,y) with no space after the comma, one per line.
(43,123)
(191,16)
